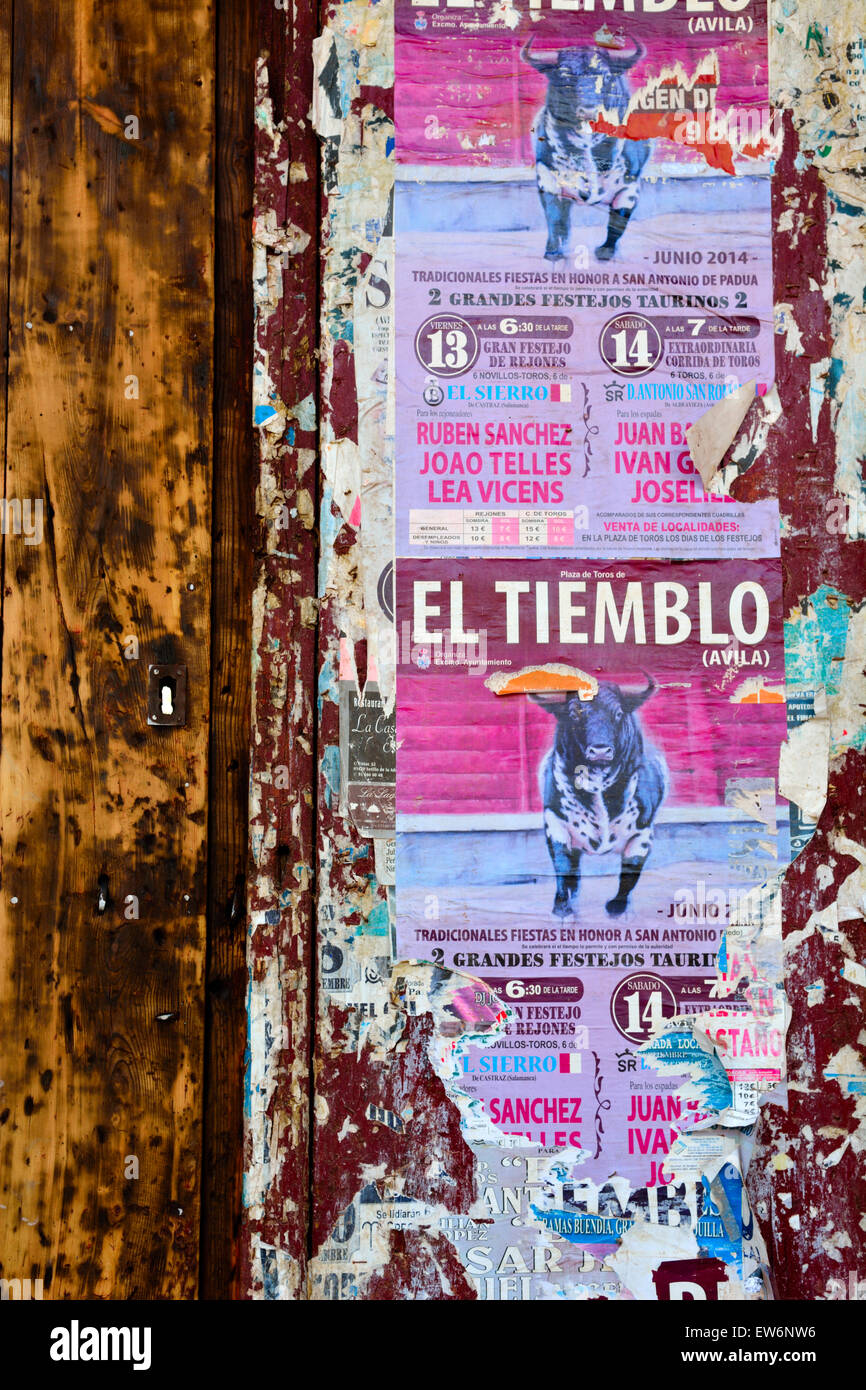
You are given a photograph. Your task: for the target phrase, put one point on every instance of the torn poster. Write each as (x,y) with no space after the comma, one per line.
(367,750)
(583,270)
(587,809)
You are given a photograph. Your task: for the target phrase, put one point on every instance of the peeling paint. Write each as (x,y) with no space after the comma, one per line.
(410,1176)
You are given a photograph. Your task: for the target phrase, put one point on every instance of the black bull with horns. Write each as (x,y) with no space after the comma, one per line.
(601,788)
(575,162)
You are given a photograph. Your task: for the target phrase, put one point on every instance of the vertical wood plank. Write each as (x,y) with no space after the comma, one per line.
(232,584)
(110,405)
(5,165)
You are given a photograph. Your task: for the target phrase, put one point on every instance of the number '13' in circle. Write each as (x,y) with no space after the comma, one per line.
(446,345)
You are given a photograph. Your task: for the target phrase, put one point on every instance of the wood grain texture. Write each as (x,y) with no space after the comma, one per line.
(5,166)
(101,1018)
(232,585)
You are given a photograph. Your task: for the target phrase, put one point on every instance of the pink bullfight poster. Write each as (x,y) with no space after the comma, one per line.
(586,799)
(582,223)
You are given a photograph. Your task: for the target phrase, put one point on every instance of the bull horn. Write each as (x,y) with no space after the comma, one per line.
(542,62)
(617,63)
(633,699)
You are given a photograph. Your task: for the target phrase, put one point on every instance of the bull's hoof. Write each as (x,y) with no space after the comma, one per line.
(553,253)
(604,252)
(562,907)
(616,907)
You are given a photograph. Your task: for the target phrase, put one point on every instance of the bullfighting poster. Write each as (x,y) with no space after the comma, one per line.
(582,219)
(587,814)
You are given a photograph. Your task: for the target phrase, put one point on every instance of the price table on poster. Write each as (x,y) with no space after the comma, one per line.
(494,528)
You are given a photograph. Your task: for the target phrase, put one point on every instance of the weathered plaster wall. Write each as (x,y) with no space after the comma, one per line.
(396,1188)
(279,897)
(807,1174)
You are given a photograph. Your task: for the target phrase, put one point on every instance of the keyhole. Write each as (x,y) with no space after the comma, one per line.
(166,695)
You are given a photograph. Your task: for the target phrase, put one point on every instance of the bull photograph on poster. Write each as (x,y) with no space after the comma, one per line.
(600,788)
(582,217)
(587,764)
